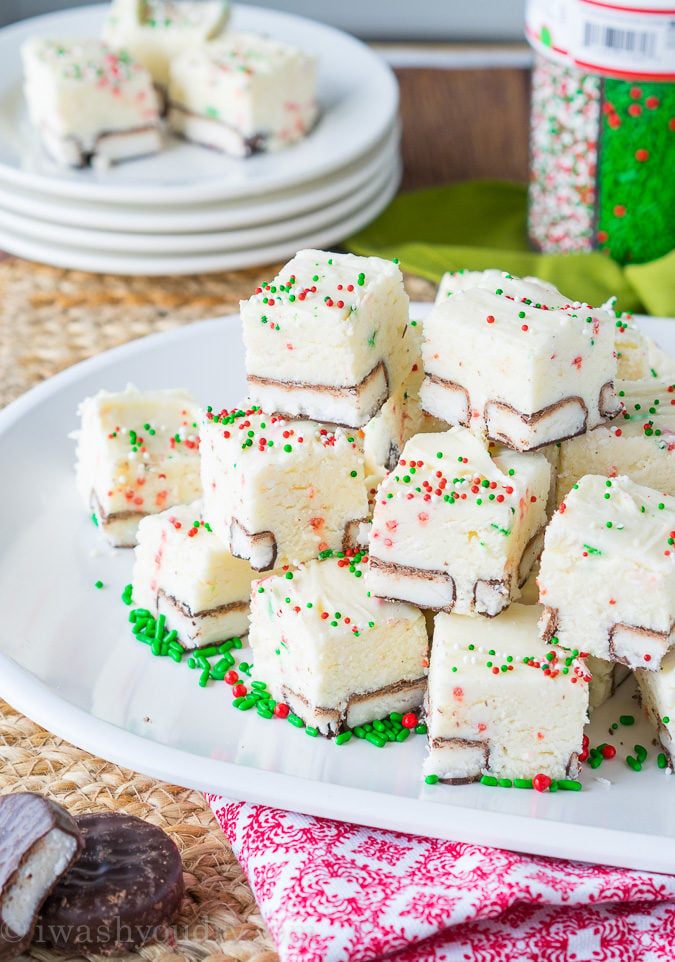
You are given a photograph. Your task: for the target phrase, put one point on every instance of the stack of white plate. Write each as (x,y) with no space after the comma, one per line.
(189,209)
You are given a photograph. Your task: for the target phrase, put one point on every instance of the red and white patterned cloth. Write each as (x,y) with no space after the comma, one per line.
(336,892)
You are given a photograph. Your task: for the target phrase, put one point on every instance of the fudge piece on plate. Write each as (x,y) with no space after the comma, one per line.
(523,375)
(455,529)
(184,571)
(657,691)
(501,702)
(328,338)
(606,676)
(336,656)
(137,454)
(89,104)
(154,32)
(243,94)
(607,575)
(281,491)
(640,443)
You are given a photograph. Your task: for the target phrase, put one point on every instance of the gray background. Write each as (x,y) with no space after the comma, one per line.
(429,20)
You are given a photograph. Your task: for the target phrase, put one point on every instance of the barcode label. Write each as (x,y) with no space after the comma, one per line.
(642,43)
(626,40)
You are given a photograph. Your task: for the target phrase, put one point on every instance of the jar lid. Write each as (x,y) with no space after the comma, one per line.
(628,39)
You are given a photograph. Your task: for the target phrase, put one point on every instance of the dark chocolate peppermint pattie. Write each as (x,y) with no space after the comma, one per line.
(38,842)
(124,890)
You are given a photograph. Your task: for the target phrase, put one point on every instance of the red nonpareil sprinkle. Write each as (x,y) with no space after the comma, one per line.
(409,720)
(608,751)
(281,710)
(651,103)
(239,690)
(641,154)
(635,110)
(231,677)
(636,93)
(324,615)
(619,210)
(541,783)
(524,327)
(583,754)
(490,319)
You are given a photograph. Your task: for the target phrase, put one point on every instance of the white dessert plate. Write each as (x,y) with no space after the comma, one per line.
(205,242)
(357,94)
(88,258)
(67,658)
(214,216)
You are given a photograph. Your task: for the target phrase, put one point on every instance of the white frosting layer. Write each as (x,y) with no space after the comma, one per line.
(79,91)
(249,92)
(640,443)
(509,359)
(326,322)
(608,562)
(137,454)
(511,719)
(533,288)
(297,485)
(317,633)
(157,31)
(450,510)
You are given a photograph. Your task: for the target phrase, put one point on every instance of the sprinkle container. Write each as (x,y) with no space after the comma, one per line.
(602,127)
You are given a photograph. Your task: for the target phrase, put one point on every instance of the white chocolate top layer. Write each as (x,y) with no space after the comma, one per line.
(80,88)
(156,31)
(328,319)
(138,451)
(499,282)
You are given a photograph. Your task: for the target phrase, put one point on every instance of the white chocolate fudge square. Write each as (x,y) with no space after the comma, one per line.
(455,529)
(336,656)
(607,575)
(137,454)
(657,692)
(606,676)
(154,32)
(88,103)
(500,702)
(243,94)
(533,289)
(280,491)
(328,338)
(640,443)
(522,375)
(184,571)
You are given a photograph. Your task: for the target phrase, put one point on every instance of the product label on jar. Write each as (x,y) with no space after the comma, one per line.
(624,40)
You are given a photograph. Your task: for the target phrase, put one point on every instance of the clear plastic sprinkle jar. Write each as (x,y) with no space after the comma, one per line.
(602,127)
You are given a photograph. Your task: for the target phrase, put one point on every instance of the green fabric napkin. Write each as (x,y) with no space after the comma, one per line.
(482,224)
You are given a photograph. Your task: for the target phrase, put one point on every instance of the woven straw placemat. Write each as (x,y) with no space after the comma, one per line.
(50,319)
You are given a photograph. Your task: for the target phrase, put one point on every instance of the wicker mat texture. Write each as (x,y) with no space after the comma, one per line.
(50,319)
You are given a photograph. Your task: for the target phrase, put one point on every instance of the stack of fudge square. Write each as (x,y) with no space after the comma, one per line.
(384,470)
(101,100)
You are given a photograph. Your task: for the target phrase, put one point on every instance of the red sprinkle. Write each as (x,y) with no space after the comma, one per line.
(409,720)
(608,751)
(281,710)
(231,677)
(239,691)
(541,783)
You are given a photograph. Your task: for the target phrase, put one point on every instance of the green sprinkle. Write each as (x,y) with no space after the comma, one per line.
(312,732)
(633,763)
(431,779)
(666,720)
(98,584)
(505,783)
(661,761)
(640,753)
(343,738)
(627,719)
(569,785)
(421,729)
(489,780)
(204,677)
(522,782)
(295,719)
(402,735)
(376,739)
